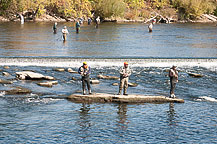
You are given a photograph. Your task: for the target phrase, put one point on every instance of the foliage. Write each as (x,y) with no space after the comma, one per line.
(108,8)
(194,8)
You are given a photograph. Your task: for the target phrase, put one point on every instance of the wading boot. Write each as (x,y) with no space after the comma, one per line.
(84,92)
(90,92)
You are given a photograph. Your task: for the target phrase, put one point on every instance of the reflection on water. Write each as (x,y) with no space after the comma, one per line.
(122,122)
(171,115)
(110,40)
(84,121)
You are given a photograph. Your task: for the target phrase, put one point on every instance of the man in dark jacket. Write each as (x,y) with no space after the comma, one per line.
(84,71)
(173,74)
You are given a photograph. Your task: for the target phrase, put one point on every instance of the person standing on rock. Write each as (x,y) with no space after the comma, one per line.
(125,72)
(173,74)
(77,25)
(84,71)
(65,32)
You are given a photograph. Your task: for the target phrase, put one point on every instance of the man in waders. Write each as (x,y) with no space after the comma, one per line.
(173,74)
(55,28)
(65,32)
(97,21)
(84,71)
(77,25)
(125,72)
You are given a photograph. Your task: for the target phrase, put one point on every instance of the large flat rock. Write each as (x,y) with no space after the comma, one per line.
(104,97)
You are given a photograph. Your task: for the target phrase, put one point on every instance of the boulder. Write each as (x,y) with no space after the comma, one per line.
(195,75)
(5,74)
(29,75)
(107,77)
(48,84)
(18,90)
(132,84)
(94,81)
(59,69)
(71,71)
(115,84)
(5,82)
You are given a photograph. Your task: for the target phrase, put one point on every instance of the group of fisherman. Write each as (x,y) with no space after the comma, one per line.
(125,73)
(78,24)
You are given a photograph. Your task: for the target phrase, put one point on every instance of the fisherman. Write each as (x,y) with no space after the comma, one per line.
(55,28)
(125,72)
(150,27)
(173,74)
(84,71)
(89,20)
(77,25)
(65,32)
(97,21)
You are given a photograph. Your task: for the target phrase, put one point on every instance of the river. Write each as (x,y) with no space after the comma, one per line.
(46,116)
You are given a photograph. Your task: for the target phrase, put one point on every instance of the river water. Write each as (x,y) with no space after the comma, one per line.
(46,116)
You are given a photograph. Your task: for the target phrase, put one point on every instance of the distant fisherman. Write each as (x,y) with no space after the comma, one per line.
(97,21)
(55,28)
(150,27)
(84,71)
(125,72)
(173,74)
(77,25)
(89,20)
(65,32)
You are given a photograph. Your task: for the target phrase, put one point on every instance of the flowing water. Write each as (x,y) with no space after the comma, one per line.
(46,116)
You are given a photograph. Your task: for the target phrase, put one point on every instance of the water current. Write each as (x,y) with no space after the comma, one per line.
(46,116)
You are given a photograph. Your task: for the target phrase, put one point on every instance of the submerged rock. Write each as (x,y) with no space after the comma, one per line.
(29,75)
(115,84)
(73,78)
(71,71)
(132,84)
(59,69)
(5,74)
(18,90)
(48,84)
(5,82)
(107,77)
(6,67)
(195,75)
(94,81)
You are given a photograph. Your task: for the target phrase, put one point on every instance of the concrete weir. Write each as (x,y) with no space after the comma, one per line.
(104,97)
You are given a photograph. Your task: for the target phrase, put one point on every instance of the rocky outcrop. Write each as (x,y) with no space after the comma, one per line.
(29,75)
(103,97)
(108,77)
(115,84)
(48,84)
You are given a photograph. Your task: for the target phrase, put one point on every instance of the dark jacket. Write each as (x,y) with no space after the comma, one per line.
(85,73)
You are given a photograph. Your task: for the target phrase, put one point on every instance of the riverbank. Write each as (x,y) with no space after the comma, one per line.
(205,18)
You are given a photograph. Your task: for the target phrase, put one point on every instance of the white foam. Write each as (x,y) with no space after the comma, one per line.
(74,62)
(206,98)
(2,93)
